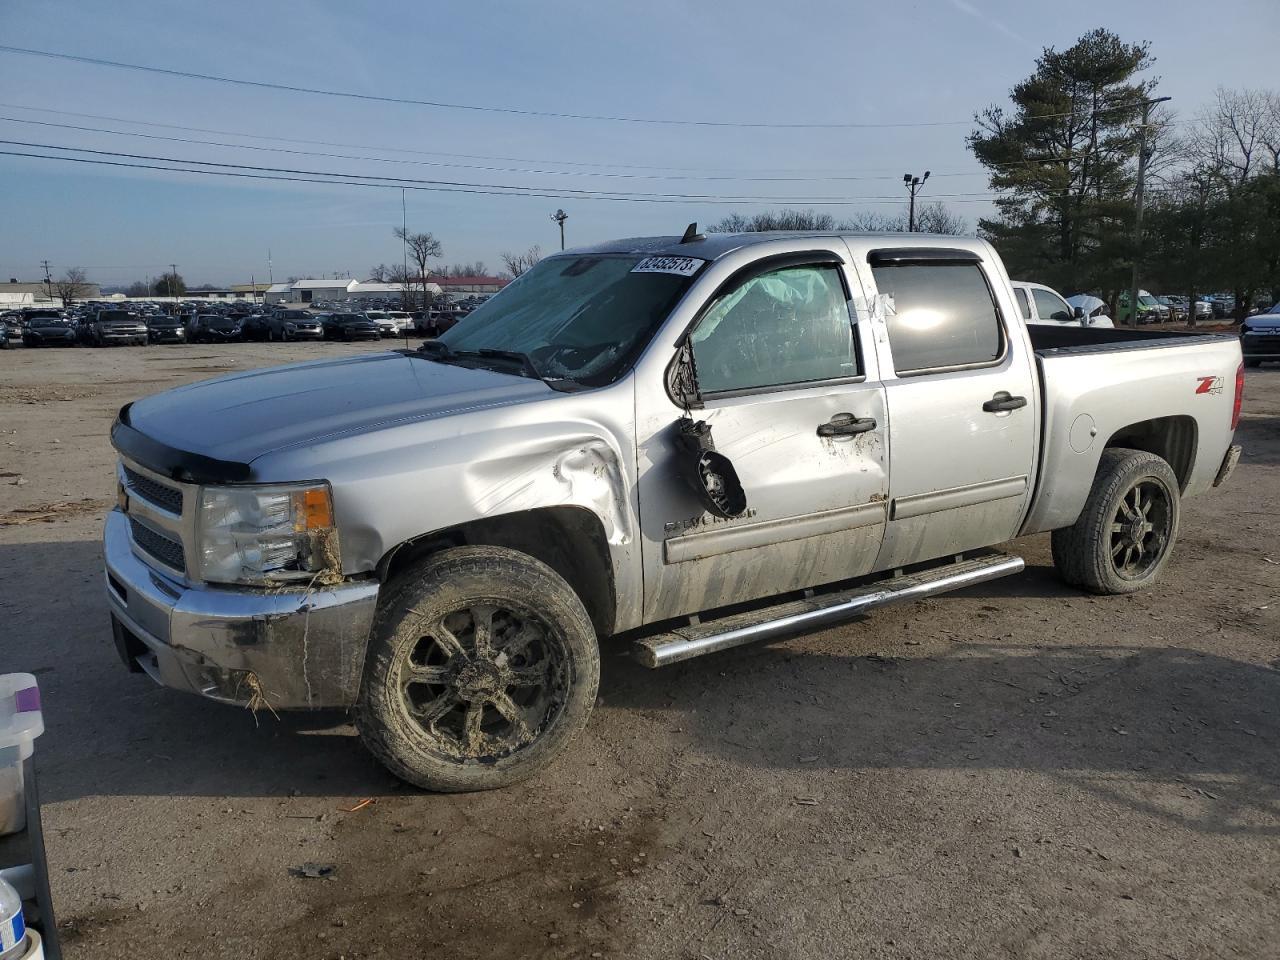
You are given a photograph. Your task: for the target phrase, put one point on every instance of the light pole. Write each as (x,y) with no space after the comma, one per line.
(1137,207)
(560,217)
(913,185)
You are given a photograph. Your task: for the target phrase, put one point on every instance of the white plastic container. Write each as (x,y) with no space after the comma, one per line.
(20,723)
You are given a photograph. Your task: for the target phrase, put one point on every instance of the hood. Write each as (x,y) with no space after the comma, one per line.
(1262,321)
(242,417)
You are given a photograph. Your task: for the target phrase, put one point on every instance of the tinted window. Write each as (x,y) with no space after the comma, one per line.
(1023,303)
(943,316)
(1050,306)
(787,326)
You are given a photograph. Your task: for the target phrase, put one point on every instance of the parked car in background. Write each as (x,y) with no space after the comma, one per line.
(386,326)
(350,326)
(49,332)
(1041,304)
(298,325)
(1174,310)
(403,321)
(114,327)
(4,336)
(1097,313)
(447,539)
(438,320)
(253,326)
(1260,337)
(214,328)
(1150,310)
(301,322)
(163,328)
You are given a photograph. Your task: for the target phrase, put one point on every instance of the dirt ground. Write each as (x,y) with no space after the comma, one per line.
(1018,770)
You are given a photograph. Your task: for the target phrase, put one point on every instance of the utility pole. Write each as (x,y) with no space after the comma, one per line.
(173,286)
(913,187)
(48,281)
(1137,207)
(271,277)
(560,217)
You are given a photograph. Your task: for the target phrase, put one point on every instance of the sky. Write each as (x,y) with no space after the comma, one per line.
(930,63)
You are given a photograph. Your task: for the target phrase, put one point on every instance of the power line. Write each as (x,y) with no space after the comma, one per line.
(505,192)
(475,156)
(463,166)
(516,111)
(545,191)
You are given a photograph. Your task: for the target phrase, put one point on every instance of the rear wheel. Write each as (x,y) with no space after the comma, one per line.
(483,666)
(1123,537)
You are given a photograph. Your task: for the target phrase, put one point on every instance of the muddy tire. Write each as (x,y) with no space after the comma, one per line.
(1123,537)
(482,667)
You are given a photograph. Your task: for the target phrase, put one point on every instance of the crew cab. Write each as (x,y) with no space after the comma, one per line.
(684,444)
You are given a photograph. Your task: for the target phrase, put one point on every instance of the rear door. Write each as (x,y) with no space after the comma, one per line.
(962,403)
(789,387)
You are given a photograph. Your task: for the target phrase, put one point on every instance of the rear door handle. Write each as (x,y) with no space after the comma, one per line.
(846,425)
(1002,401)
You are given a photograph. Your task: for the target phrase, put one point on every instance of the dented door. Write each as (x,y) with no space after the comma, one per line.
(811,455)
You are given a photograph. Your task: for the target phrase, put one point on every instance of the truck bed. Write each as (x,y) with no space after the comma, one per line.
(1159,390)
(1067,339)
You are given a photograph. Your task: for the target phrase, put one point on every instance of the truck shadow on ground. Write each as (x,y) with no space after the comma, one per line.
(1105,719)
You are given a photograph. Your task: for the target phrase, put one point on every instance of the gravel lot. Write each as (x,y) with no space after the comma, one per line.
(1018,770)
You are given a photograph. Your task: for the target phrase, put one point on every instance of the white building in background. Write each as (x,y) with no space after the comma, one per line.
(339,291)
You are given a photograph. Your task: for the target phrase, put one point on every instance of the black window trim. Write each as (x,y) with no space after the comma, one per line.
(778,261)
(969,259)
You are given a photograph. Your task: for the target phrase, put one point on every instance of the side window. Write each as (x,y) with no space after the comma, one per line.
(1023,303)
(790,325)
(1050,306)
(943,316)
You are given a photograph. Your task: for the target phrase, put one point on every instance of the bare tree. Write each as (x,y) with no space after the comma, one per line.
(71,287)
(1234,134)
(138,289)
(518,263)
(930,218)
(422,247)
(379,273)
(477,269)
(774,220)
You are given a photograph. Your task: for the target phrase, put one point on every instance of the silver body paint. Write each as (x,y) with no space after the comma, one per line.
(412,447)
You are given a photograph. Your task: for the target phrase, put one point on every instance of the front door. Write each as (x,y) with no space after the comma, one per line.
(785,384)
(962,402)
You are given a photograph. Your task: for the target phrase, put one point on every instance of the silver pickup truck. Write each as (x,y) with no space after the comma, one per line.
(684,443)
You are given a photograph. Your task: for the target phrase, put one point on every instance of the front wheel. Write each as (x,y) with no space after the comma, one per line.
(483,666)
(1123,537)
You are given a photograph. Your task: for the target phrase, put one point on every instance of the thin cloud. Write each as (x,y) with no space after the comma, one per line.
(968,9)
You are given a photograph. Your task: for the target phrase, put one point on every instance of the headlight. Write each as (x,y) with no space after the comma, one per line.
(267,534)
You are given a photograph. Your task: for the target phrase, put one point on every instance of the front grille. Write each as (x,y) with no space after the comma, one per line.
(164,497)
(167,551)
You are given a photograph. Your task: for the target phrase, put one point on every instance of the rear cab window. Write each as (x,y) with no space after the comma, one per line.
(1024,304)
(942,314)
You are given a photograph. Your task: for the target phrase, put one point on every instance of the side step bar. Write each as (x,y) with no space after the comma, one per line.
(696,639)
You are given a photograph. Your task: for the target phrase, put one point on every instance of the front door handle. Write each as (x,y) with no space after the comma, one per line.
(1002,401)
(846,425)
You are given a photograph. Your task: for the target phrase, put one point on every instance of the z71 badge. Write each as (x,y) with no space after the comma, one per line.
(1209,385)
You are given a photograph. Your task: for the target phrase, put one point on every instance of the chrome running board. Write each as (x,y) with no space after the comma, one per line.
(696,639)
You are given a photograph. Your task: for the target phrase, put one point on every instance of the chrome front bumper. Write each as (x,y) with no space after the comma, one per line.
(289,647)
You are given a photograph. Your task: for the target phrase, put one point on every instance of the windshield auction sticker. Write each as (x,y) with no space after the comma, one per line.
(680,266)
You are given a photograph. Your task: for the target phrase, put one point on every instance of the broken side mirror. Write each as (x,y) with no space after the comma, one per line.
(710,474)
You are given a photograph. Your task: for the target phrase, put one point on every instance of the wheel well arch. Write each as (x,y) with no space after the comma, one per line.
(1173,439)
(569,539)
